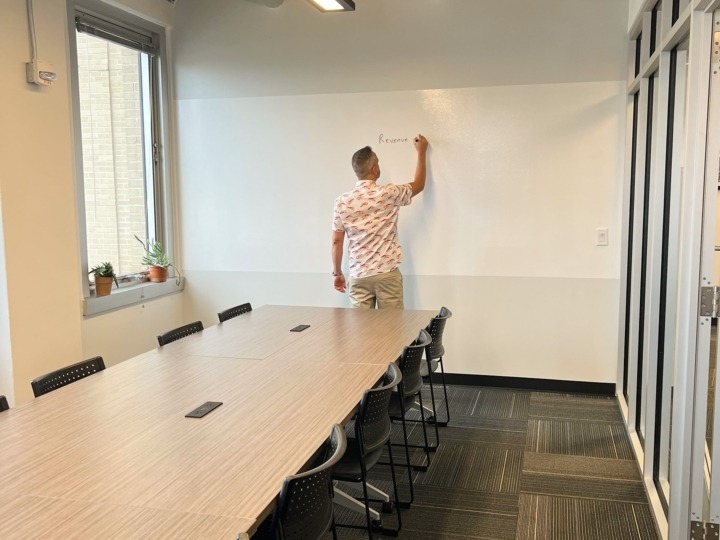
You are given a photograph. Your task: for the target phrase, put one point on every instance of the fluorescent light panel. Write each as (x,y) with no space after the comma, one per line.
(334,5)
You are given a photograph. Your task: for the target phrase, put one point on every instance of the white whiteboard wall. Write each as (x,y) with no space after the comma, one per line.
(519,178)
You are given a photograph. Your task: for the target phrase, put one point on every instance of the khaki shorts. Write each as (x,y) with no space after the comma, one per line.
(385,289)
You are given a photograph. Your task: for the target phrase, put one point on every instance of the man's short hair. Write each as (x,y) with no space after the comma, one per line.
(362,161)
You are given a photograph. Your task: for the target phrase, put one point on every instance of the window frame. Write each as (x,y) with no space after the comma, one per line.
(131,291)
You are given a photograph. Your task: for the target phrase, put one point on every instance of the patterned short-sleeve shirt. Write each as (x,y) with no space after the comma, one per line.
(368,214)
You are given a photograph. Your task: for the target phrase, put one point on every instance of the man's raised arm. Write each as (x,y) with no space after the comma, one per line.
(418,184)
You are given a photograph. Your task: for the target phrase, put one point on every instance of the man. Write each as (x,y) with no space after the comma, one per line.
(368,216)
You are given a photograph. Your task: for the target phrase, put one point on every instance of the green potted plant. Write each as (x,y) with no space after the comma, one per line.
(156,259)
(104,277)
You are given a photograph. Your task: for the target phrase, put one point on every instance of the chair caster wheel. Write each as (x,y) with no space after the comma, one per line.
(388,507)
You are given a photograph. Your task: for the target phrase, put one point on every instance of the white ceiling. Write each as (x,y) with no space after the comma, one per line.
(232,48)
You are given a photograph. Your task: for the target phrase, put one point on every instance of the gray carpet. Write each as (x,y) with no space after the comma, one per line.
(523,465)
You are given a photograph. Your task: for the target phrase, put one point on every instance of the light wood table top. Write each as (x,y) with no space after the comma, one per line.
(113,455)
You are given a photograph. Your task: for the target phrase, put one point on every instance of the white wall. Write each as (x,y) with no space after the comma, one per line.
(634,8)
(525,113)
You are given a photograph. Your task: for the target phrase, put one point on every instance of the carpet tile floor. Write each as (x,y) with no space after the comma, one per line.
(525,465)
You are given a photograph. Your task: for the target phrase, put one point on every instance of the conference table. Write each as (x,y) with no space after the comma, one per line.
(113,455)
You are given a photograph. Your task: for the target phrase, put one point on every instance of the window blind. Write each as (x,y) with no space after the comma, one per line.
(133,38)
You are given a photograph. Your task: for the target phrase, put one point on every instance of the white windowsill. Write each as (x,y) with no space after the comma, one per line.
(127,296)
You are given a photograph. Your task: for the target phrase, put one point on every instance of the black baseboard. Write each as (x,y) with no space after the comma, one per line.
(524,383)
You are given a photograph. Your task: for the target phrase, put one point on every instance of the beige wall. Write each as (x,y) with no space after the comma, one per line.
(38,199)
(42,322)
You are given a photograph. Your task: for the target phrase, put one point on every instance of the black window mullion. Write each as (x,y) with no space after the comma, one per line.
(653,28)
(643,262)
(675,11)
(663,274)
(631,222)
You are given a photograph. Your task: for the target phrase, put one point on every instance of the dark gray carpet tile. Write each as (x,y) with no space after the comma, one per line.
(569,397)
(487,402)
(475,467)
(494,424)
(436,524)
(344,516)
(465,499)
(557,518)
(470,435)
(578,408)
(477,421)
(583,487)
(381,473)
(563,465)
(502,432)
(440,523)
(588,439)
(576,412)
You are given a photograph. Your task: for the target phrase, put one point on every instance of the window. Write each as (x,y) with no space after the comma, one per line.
(119,102)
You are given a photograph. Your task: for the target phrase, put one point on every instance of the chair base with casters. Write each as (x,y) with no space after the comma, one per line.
(351,503)
(62,377)
(372,435)
(342,498)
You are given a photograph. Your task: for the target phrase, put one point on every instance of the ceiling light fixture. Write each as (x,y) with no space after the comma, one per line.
(334,5)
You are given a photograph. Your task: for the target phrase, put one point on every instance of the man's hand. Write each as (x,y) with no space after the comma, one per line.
(339,283)
(421,143)
(338,240)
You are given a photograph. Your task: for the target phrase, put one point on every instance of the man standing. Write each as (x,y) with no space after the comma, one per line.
(368,216)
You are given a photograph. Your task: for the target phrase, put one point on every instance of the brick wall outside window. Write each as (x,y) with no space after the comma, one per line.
(113,166)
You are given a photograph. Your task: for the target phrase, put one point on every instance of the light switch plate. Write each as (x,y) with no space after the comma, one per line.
(601,237)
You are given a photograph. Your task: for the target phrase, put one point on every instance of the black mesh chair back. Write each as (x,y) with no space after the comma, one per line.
(410,361)
(436,328)
(179,333)
(305,505)
(3,404)
(234,312)
(372,424)
(63,377)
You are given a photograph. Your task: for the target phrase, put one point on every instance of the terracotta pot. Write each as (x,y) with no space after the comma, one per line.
(158,274)
(103,285)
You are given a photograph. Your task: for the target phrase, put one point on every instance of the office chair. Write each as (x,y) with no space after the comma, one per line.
(404,399)
(434,353)
(62,377)
(304,509)
(179,333)
(234,312)
(3,404)
(372,434)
